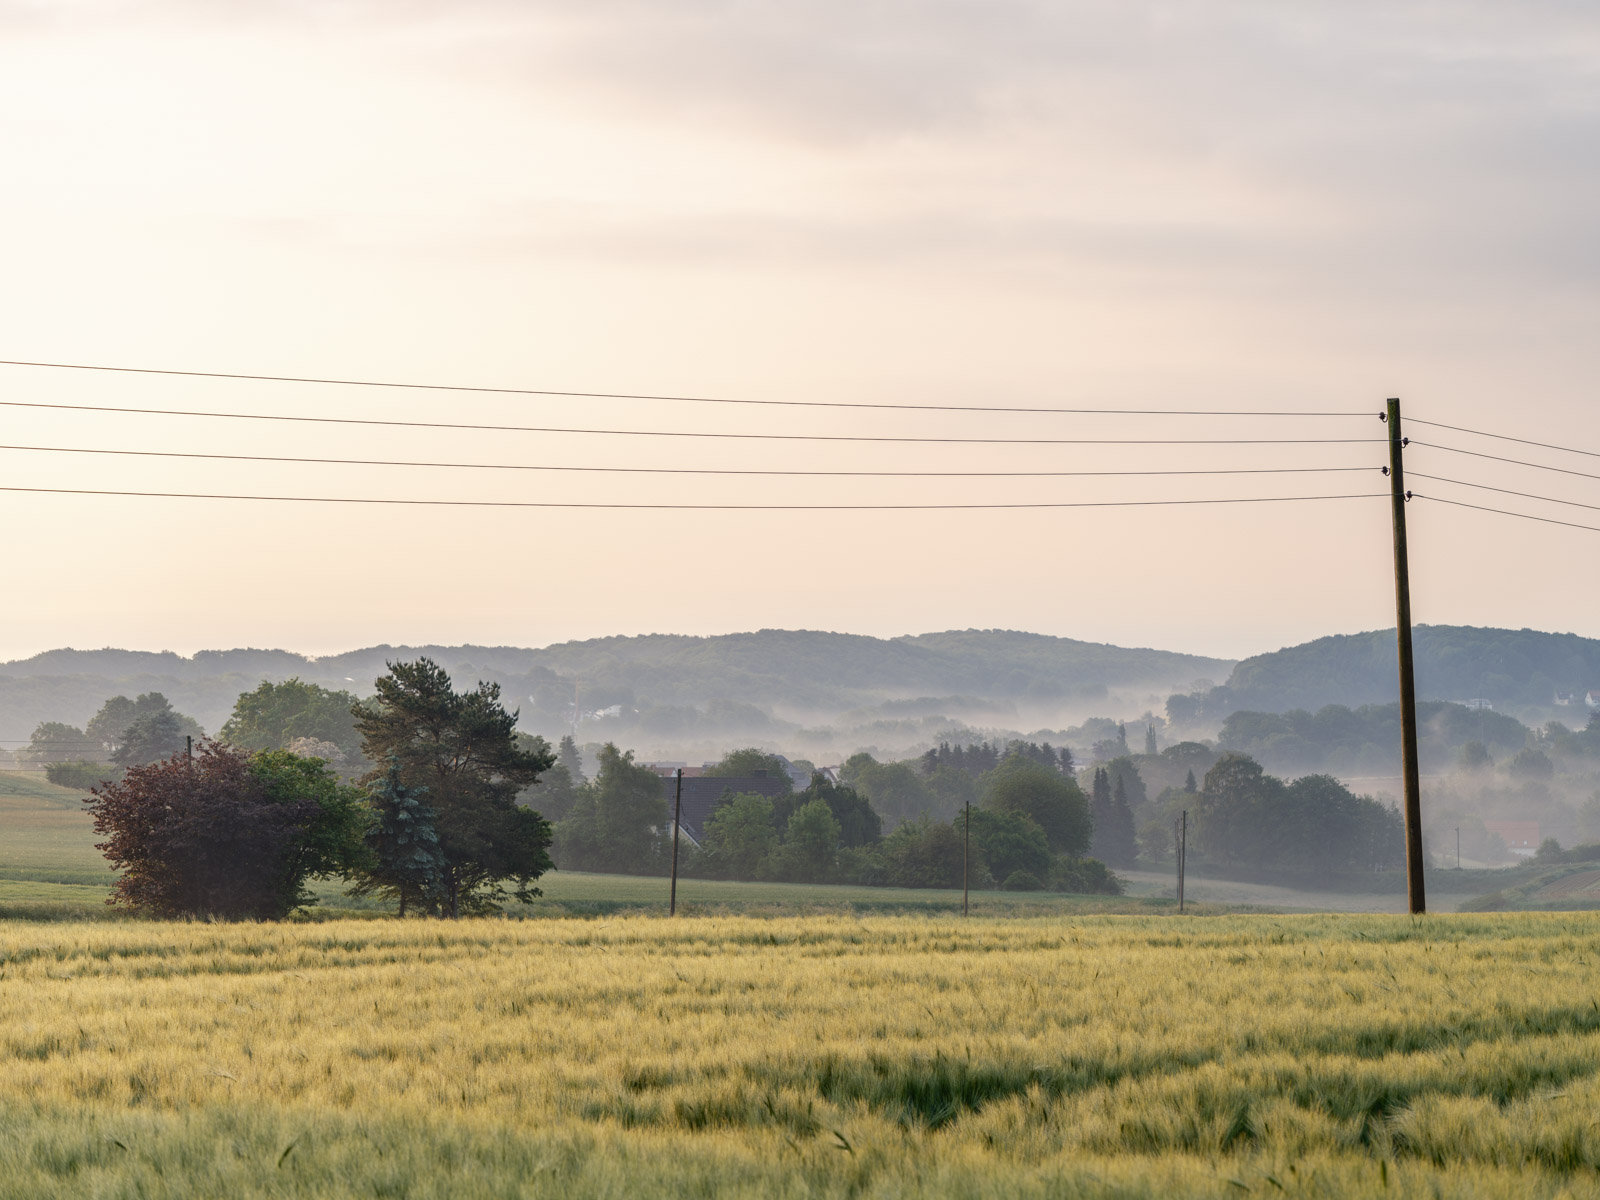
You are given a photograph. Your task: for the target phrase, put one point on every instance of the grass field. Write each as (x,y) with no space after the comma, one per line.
(783,1040)
(821,1056)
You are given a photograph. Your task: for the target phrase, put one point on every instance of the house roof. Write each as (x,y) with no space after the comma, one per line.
(702,794)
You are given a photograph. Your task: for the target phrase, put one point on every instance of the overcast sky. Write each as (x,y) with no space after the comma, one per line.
(1294,207)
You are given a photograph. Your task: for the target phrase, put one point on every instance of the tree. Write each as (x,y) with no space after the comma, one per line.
(1189,784)
(744,763)
(922,854)
(227,834)
(275,714)
(57,742)
(859,823)
(810,851)
(617,819)
(1008,842)
(110,725)
(1114,841)
(152,737)
(406,863)
(461,747)
(1150,747)
(739,836)
(895,789)
(1474,756)
(1234,810)
(1051,800)
(568,756)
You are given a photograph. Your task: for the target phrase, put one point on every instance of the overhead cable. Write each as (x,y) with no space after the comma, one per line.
(680,433)
(676,507)
(1505,437)
(517,391)
(384,462)
(1516,462)
(1506,512)
(1484,487)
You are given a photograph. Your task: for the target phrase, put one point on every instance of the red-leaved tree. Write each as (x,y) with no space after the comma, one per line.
(204,837)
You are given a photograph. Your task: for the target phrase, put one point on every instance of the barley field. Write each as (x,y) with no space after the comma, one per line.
(882,1056)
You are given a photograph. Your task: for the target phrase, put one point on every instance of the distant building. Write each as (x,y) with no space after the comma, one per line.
(702,793)
(1520,837)
(1478,705)
(1592,698)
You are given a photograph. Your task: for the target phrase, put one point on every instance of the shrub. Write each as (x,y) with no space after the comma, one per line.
(226,834)
(1022,881)
(1085,876)
(76,773)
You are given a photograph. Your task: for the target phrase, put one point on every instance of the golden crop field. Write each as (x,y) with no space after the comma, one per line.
(824,1056)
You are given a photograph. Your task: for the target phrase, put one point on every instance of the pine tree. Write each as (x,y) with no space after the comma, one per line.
(1100,813)
(1121,846)
(567,755)
(1189,784)
(407,862)
(1150,740)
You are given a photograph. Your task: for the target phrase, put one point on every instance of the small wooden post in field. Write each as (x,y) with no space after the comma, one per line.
(966,857)
(677,816)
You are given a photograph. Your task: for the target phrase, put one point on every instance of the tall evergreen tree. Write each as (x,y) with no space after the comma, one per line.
(1189,784)
(1100,812)
(1119,843)
(461,747)
(567,755)
(407,863)
(1150,741)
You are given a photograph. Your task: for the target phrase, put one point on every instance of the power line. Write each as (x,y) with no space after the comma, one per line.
(679,433)
(513,391)
(383,462)
(1506,512)
(1484,487)
(1516,462)
(1506,438)
(677,507)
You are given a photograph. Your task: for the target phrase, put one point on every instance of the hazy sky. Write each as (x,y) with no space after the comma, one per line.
(1304,207)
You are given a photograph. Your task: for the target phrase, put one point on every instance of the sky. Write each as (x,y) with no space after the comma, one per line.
(1286,208)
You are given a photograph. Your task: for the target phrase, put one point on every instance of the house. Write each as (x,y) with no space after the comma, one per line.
(1520,837)
(702,794)
(1478,705)
(1592,698)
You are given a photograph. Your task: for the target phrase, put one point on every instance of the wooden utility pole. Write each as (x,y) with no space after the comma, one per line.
(188,746)
(1183,853)
(966,857)
(677,816)
(1409,765)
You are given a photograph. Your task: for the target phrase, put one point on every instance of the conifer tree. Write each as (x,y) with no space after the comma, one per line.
(407,863)
(1150,741)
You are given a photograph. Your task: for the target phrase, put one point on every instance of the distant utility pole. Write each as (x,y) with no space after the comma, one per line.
(188,745)
(1458,847)
(1180,835)
(677,816)
(1409,765)
(966,856)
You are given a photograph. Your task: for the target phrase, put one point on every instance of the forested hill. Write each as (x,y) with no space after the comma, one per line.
(1519,669)
(733,677)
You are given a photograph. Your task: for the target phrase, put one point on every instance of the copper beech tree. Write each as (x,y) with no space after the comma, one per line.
(227,834)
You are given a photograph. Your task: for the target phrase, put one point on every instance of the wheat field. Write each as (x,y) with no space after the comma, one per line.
(824,1056)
